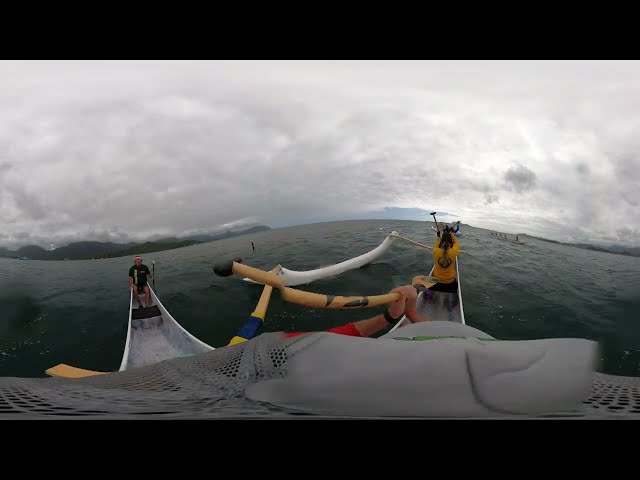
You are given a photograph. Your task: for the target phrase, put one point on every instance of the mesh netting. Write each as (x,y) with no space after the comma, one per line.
(613,396)
(212,385)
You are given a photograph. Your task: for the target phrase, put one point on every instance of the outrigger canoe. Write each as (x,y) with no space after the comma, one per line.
(153,335)
(446,369)
(462,373)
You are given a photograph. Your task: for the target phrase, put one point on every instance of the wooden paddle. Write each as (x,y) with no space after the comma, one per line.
(416,243)
(309,299)
(411,241)
(255,321)
(67,371)
(433,214)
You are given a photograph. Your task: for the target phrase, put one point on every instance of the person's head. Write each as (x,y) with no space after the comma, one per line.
(137,260)
(446,241)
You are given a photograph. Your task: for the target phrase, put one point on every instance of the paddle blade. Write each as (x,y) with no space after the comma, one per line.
(225,269)
(423,281)
(67,371)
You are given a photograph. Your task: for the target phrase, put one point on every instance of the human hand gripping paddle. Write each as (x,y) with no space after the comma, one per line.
(309,299)
(422,245)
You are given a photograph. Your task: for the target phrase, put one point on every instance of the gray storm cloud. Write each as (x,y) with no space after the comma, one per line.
(121,151)
(520,178)
(490,198)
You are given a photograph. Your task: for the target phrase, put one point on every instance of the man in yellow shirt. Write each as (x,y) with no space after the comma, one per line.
(445,253)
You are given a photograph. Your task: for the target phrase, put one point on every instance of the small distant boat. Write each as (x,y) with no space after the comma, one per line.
(23,258)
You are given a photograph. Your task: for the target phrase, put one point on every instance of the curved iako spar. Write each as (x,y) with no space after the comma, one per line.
(292,278)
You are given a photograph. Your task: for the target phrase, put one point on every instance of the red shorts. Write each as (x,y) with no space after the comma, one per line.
(348,329)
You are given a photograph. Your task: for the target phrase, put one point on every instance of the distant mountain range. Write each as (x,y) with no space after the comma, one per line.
(616,249)
(89,250)
(386,213)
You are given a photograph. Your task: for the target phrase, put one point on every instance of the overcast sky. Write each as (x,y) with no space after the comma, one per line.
(132,150)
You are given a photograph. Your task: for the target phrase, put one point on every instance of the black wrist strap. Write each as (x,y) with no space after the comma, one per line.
(389,318)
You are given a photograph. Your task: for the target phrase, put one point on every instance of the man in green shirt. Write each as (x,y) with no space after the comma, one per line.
(138,281)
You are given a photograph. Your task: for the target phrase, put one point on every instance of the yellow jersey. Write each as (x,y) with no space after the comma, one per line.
(445,267)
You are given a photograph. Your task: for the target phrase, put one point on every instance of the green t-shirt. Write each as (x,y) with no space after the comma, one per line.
(139,274)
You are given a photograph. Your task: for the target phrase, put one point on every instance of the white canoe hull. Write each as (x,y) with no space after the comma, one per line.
(441,306)
(293,277)
(156,338)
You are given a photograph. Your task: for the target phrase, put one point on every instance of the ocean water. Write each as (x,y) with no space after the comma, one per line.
(76,312)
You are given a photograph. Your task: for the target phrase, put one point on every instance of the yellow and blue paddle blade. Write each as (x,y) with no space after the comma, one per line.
(255,321)
(248,330)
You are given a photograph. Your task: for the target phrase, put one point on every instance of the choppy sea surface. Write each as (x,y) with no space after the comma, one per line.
(76,312)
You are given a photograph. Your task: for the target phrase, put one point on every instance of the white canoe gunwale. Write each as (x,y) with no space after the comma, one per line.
(166,317)
(69,371)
